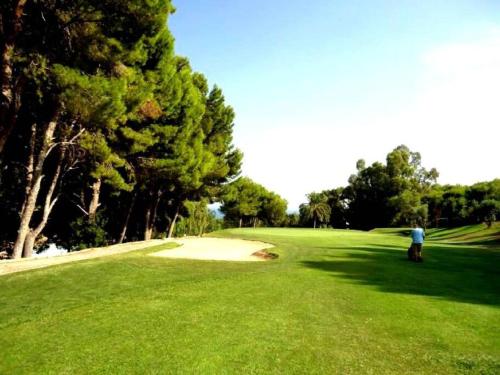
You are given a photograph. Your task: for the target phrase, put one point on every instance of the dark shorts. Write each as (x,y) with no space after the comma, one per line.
(417,247)
(415,252)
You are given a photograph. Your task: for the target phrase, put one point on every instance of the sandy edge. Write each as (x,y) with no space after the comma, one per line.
(206,248)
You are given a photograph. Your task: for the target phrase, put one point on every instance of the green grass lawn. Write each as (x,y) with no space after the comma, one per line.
(342,302)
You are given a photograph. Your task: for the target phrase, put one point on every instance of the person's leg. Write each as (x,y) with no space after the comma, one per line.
(414,252)
(418,254)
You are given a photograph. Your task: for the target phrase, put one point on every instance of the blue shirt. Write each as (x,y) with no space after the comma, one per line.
(417,235)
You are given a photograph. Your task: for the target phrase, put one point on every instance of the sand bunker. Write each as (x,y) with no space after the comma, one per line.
(190,248)
(215,249)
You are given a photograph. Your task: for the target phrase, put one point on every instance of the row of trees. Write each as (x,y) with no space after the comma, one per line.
(198,219)
(243,203)
(105,133)
(246,203)
(398,193)
(456,205)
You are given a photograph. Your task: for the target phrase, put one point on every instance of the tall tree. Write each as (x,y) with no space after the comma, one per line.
(274,210)
(339,206)
(245,202)
(382,195)
(94,44)
(241,201)
(110,121)
(368,193)
(167,149)
(317,209)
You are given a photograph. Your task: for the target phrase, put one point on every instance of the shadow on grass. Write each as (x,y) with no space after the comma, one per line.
(452,272)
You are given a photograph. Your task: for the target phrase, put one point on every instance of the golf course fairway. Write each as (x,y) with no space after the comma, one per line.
(334,301)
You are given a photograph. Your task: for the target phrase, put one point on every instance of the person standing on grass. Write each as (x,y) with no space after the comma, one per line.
(417,241)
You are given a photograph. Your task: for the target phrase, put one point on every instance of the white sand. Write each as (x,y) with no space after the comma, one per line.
(215,249)
(190,248)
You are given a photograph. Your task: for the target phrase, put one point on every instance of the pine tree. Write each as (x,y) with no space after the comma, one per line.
(78,86)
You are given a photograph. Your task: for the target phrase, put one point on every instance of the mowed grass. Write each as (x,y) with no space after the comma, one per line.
(471,234)
(343,302)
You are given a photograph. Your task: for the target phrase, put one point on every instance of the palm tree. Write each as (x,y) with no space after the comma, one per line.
(317,208)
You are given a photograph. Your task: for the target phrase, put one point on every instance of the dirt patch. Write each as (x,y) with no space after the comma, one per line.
(265,255)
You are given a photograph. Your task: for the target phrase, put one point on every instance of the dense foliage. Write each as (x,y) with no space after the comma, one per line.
(400,192)
(316,209)
(246,203)
(105,134)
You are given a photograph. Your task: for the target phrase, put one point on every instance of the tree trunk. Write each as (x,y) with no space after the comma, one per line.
(172,224)
(147,224)
(241,222)
(9,93)
(47,209)
(314,223)
(29,166)
(29,243)
(151,216)
(29,203)
(167,228)
(437,216)
(129,213)
(203,227)
(94,203)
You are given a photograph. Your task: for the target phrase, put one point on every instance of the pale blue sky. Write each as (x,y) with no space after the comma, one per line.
(317,85)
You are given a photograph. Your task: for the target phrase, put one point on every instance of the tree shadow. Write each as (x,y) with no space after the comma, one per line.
(452,272)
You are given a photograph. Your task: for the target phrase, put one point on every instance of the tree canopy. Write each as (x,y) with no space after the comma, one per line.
(246,203)
(117,132)
(401,192)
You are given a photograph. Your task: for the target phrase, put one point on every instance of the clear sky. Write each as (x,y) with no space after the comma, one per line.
(318,85)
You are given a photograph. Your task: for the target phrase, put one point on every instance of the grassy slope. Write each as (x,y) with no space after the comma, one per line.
(335,302)
(470,234)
